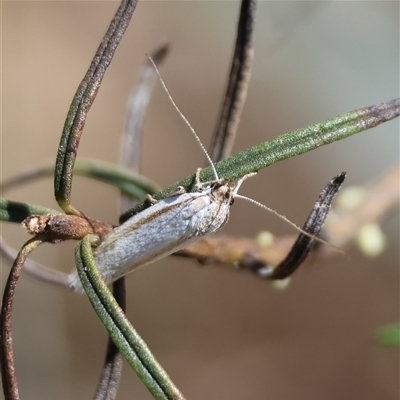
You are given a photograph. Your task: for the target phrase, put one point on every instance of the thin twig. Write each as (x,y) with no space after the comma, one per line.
(36,270)
(137,107)
(239,77)
(303,244)
(81,104)
(10,383)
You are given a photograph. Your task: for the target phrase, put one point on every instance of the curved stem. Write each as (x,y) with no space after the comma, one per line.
(81,103)
(36,270)
(112,369)
(125,337)
(304,244)
(10,383)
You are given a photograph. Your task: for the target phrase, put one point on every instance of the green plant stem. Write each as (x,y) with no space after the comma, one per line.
(129,183)
(12,211)
(286,146)
(107,388)
(125,337)
(81,104)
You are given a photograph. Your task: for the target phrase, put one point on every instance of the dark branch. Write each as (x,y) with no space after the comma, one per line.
(9,378)
(303,245)
(236,91)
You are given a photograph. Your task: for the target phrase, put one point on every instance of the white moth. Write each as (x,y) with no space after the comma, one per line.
(164,228)
(167,226)
(170,224)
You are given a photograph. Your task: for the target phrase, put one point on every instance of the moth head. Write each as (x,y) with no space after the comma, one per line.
(224,190)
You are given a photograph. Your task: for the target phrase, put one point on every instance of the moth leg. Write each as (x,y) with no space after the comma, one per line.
(179,190)
(151,199)
(199,185)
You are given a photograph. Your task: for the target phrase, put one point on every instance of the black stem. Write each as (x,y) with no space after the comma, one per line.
(304,244)
(239,77)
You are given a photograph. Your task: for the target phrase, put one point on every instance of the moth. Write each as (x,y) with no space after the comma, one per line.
(167,225)
(164,228)
(181,219)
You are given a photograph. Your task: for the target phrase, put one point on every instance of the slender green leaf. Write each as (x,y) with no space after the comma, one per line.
(125,337)
(12,211)
(81,103)
(129,183)
(286,146)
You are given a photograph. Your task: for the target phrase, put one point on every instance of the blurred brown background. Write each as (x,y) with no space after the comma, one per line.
(219,334)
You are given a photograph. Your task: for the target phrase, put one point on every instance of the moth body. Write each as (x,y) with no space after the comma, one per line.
(162,229)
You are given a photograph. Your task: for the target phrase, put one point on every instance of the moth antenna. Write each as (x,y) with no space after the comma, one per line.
(184,118)
(289,222)
(239,183)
